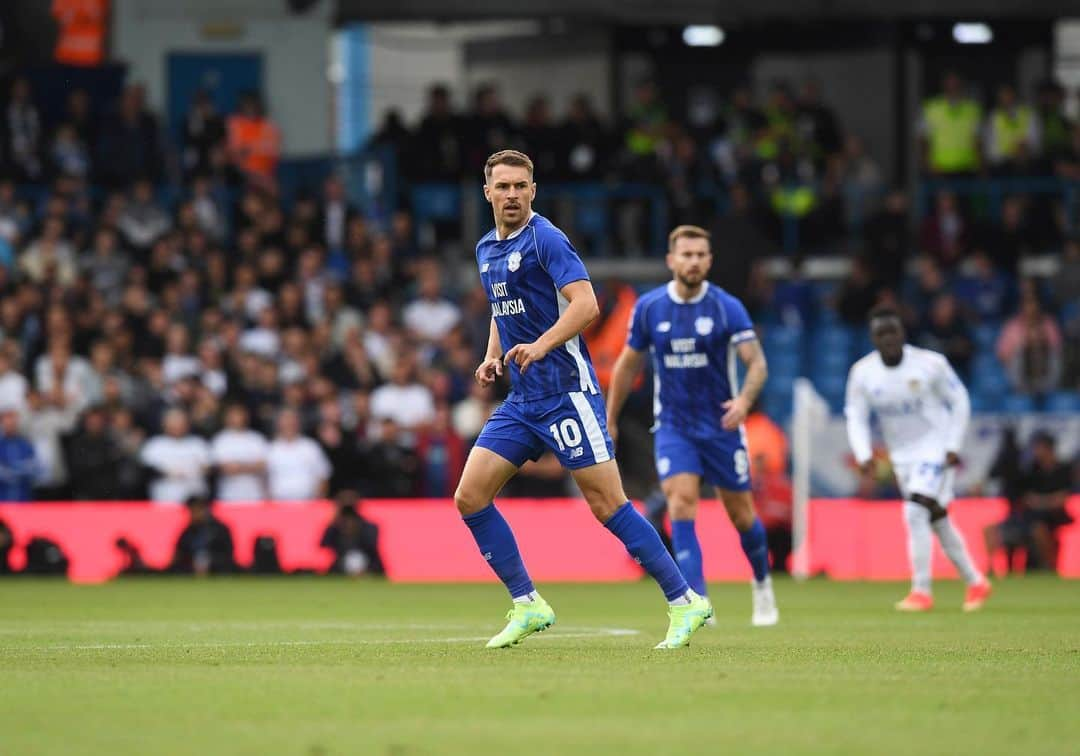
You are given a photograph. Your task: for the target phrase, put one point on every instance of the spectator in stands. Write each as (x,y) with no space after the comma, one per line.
(79,115)
(1066,282)
(945,331)
(1030,347)
(353,539)
(646,127)
(296,467)
(176,461)
(19,466)
(394,464)
(106,265)
(204,129)
(1044,490)
(1013,239)
(335,214)
(470,414)
(740,228)
(793,298)
(1012,135)
(586,142)
(438,153)
(431,316)
(205,546)
(347,462)
(142,221)
(254,139)
(858,294)
(816,125)
(1054,125)
(949,131)
(889,238)
(50,259)
(68,156)
(541,139)
(443,454)
(129,146)
(862,180)
(488,129)
(45,425)
(92,459)
(983,291)
(13,386)
(944,234)
(22,133)
(239,455)
(64,378)
(404,400)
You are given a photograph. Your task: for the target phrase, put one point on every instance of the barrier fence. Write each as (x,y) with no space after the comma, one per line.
(423,540)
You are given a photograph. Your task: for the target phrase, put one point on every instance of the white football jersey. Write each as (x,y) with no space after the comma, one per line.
(922,406)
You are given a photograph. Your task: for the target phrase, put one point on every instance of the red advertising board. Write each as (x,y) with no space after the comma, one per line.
(425,540)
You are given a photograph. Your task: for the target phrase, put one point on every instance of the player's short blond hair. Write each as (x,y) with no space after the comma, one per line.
(508,157)
(687,232)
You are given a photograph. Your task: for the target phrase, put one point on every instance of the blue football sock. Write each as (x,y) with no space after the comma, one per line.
(688,554)
(497,545)
(756,548)
(645,546)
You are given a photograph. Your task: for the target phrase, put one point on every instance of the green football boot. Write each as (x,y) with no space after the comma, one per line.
(686,619)
(524,619)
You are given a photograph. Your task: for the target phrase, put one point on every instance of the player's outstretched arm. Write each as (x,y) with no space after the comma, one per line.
(757,370)
(951,389)
(581,310)
(857,415)
(492,366)
(627,366)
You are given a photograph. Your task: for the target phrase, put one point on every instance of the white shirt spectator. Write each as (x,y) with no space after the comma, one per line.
(80,381)
(296,469)
(245,447)
(13,388)
(176,367)
(409,406)
(43,428)
(255,301)
(181,463)
(431,319)
(261,341)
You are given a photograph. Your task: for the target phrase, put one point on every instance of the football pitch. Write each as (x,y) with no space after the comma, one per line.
(333,666)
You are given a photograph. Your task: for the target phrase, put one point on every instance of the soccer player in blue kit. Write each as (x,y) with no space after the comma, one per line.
(694,332)
(541,300)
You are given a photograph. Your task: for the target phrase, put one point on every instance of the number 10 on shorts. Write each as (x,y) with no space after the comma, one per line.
(566,434)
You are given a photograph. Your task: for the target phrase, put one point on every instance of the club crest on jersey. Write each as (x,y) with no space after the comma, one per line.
(663,465)
(484,267)
(703,326)
(513,262)
(913,384)
(663,327)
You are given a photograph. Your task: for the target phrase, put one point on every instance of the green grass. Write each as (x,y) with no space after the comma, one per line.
(326,666)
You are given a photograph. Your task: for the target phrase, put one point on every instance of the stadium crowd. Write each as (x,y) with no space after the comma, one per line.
(214,340)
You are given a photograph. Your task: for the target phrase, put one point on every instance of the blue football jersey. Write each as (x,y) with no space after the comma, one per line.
(693,353)
(523,275)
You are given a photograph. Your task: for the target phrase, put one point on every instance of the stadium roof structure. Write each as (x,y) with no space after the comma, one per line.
(695,11)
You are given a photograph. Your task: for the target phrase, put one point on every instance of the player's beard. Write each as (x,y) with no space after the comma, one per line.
(691,281)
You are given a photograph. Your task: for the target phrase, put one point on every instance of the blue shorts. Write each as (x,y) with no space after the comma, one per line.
(721,461)
(573,426)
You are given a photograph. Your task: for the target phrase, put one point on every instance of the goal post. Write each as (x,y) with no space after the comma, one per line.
(809,411)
